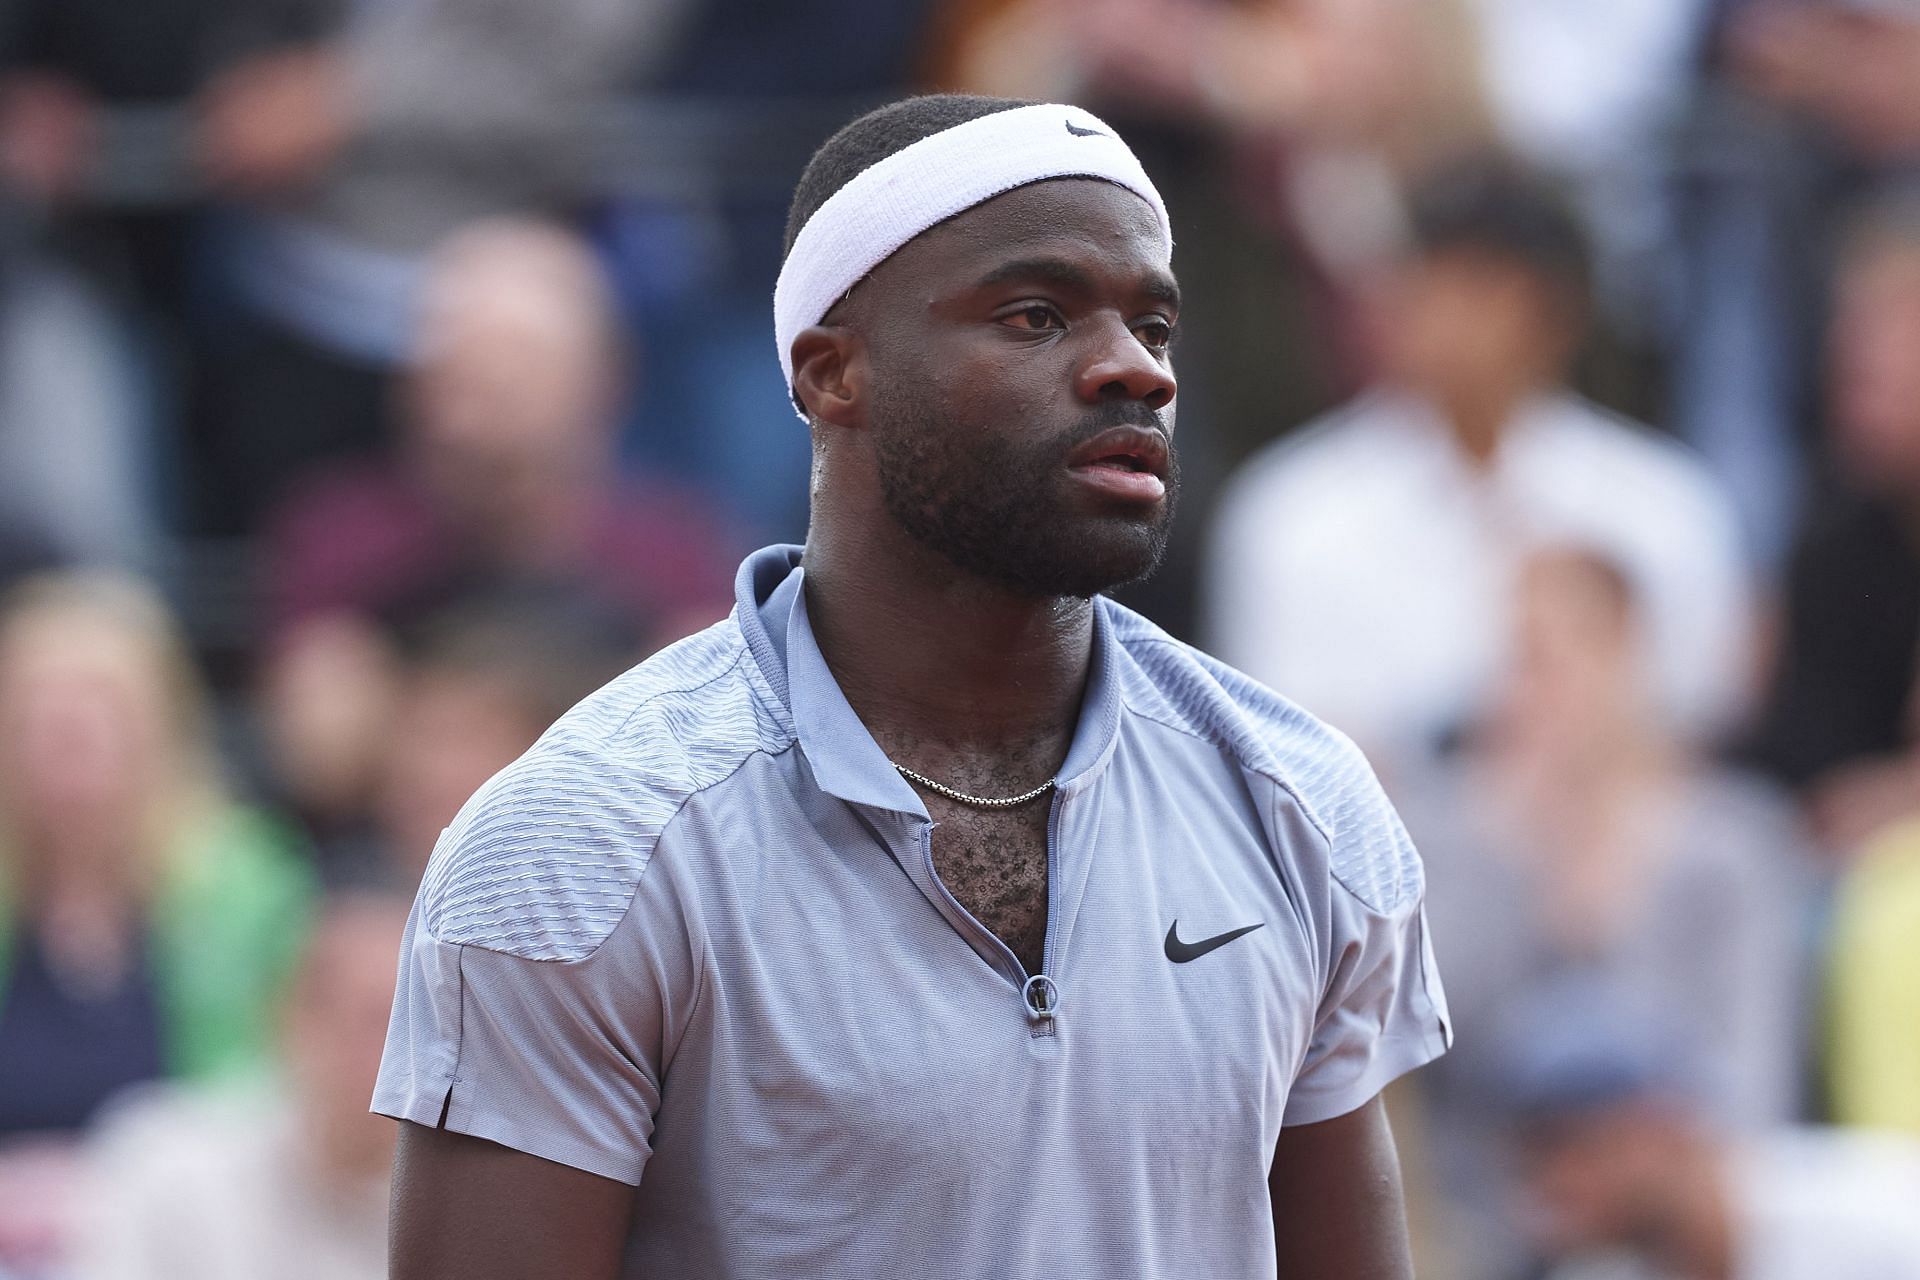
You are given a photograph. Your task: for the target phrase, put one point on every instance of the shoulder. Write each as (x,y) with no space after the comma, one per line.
(1590,435)
(542,861)
(1324,449)
(1175,684)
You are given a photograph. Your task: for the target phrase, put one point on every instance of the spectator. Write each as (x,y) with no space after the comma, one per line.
(1804,103)
(1838,722)
(1874,1057)
(76,480)
(472,693)
(345,160)
(1603,846)
(289,1182)
(507,485)
(145,920)
(1591,93)
(1628,1179)
(507,472)
(1363,568)
(96,339)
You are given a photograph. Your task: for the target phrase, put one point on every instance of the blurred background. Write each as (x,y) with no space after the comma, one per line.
(379,376)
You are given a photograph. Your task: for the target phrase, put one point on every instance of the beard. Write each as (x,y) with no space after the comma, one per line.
(997,507)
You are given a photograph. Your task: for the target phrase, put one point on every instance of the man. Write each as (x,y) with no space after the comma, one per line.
(508,469)
(1368,561)
(929,916)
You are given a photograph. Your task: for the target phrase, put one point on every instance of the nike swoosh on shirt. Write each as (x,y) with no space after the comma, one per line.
(1180,952)
(1087,133)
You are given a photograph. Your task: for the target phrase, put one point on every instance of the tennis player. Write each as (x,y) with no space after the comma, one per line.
(931,916)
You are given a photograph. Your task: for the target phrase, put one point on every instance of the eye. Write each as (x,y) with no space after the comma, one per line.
(1155,333)
(1034,317)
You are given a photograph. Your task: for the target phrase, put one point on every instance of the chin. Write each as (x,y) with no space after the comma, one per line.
(1085,562)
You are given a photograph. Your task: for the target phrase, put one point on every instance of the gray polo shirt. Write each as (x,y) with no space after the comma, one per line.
(693,940)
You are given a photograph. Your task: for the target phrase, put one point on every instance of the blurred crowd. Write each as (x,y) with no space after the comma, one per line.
(379,376)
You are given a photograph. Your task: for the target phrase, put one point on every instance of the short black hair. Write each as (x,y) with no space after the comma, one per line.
(1491,204)
(876,135)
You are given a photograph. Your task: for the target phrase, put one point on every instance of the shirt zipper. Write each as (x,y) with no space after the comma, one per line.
(1040,1024)
(1043,1023)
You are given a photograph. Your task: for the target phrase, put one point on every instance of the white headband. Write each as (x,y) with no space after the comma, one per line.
(920,186)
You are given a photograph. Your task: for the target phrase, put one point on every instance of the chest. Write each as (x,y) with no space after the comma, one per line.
(994,863)
(859,1009)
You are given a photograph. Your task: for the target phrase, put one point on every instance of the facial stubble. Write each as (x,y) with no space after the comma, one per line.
(995,506)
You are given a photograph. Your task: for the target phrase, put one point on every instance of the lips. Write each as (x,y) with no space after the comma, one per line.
(1129,463)
(1139,450)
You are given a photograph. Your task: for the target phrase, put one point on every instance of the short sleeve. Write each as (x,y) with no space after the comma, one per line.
(558,1056)
(1383,1014)
(1382,1011)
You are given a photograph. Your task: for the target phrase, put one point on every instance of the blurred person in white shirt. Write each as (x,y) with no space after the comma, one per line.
(240,1184)
(1362,567)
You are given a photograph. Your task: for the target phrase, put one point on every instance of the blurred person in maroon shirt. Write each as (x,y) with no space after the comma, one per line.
(286,1180)
(506,469)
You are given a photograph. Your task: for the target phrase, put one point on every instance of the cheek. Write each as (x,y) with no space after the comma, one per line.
(977,378)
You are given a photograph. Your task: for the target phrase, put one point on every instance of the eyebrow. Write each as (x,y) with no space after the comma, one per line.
(1157,284)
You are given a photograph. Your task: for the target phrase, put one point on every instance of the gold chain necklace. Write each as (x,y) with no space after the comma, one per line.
(978,802)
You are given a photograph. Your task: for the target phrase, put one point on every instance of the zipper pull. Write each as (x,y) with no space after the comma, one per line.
(1042,997)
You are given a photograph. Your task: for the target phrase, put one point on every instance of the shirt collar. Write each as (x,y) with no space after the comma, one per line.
(846,761)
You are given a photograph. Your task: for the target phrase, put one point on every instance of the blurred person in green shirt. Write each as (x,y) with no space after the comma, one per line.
(146,919)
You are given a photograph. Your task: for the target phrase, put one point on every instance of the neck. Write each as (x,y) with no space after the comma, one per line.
(1480,416)
(940,664)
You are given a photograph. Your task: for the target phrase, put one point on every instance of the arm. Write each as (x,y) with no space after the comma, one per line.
(468,1209)
(1338,1212)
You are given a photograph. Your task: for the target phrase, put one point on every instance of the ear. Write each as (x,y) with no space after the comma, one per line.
(830,374)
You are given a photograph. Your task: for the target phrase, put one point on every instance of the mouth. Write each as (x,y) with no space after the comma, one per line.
(1130,463)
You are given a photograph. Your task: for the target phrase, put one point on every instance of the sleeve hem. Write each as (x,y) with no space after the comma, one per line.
(416,1103)
(544,1141)
(1397,1056)
(422,1106)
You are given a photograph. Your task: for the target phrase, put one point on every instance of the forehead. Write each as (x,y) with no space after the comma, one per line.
(1104,226)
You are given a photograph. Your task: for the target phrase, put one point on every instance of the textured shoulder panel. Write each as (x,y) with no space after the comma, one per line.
(1177,685)
(543,861)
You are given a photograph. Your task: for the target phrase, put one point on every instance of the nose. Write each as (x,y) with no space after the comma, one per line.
(1124,368)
